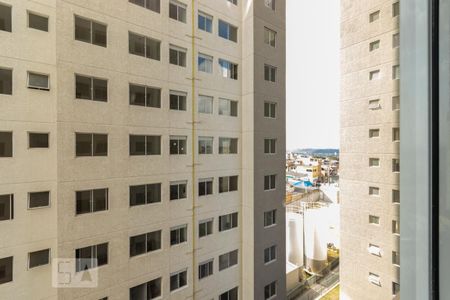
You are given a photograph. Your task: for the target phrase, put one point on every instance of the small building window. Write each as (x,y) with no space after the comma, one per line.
(228,260)
(395,165)
(205,104)
(374,279)
(374,75)
(5,17)
(145,194)
(395,288)
(178,100)
(374,191)
(374,104)
(205,145)
(205,269)
(205,228)
(269,182)
(396,40)
(178,145)
(395,227)
(270,254)
(270,146)
(233,1)
(395,196)
(141,95)
(91,257)
(396,72)
(148,290)
(177,11)
(374,133)
(395,9)
(37,140)
(178,190)
(230,295)
(38,199)
(91,144)
(205,22)
(5,81)
(178,235)
(205,63)
(270,218)
(205,187)
(228,145)
(227,222)
(90,88)
(145,145)
(38,258)
(228,184)
(374,250)
(153,5)
(270,73)
(228,107)
(6,207)
(395,103)
(374,162)
(89,201)
(374,16)
(270,109)
(6,144)
(38,81)
(395,134)
(178,280)
(374,45)
(177,56)
(90,31)
(270,37)
(227,31)
(270,290)
(6,269)
(228,69)
(374,220)
(145,243)
(37,22)
(395,258)
(144,46)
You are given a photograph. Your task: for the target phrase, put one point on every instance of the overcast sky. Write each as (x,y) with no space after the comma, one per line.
(312,73)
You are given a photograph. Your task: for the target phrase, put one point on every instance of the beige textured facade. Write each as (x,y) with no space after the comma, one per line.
(369,177)
(58,168)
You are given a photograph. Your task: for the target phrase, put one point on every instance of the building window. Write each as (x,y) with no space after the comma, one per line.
(89,201)
(205,22)
(374,45)
(38,81)
(178,190)
(145,145)
(374,133)
(91,144)
(91,88)
(153,5)
(6,144)
(374,279)
(269,182)
(228,69)
(374,162)
(395,227)
(374,220)
(374,104)
(6,268)
(178,280)
(270,218)
(6,208)
(178,235)
(395,103)
(38,258)
(228,145)
(374,191)
(228,260)
(270,73)
(395,134)
(269,109)
(145,96)
(374,250)
(91,257)
(205,228)
(395,258)
(205,187)
(227,222)
(270,290)
(395,288)
(227,31)
(178,145)
(90,32)
(228,107)
(37,22)
(5,80)
(205,104)
(37,140)
(269,146)
(177,56)
(178,100)
(228,184)
(396,40)
(205,145)
(5,20)
(233,1)
(177,11)
(38,199)
(205,63)
(374,75)
(270,254)
(374,16)
(270,4)
(395,196)
(395,9)
(147,291)
(145,194)
(205,269)
(144,46)
(395,165)
(145,243)
(230,295)
(269,37)
(396,72)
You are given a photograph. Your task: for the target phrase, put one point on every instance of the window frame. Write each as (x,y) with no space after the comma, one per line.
(91,31)
(38,207)
(39,15)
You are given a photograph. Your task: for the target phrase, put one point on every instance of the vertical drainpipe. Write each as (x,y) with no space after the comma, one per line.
(193,122)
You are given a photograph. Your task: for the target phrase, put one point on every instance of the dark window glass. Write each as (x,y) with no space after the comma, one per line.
(5,18)
(37,22)
(152,49)
(153,145)
(145,194)
(205,187)
(138,292)
(6,144)
(177,191)
(83,87)
(137,195)
(137,144)
(38,81)
(154,193)
(6,207)
(138,245)
(228,260)
(177,145)
(82,30)
(136,44)
(205,228)
(38,140)
(6,269)
(137,95)
(91,201)
(98,34)
(99,200)
(154,241)
(230,295)
(91,257)
(5,81)
(100,145)
(39,258)
(100,89)
(204,22)
(154,5)
(83,202)
(39,199)
(178,280)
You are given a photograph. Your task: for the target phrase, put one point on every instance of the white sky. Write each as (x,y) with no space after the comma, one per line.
(312,73)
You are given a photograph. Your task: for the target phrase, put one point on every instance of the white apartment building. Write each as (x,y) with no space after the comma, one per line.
(369,154)
(146,137)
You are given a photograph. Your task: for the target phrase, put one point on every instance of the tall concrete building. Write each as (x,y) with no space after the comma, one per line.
(145,140)
(369,158)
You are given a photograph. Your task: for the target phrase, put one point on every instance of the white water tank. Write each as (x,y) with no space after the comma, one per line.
(316,234)
(294,238)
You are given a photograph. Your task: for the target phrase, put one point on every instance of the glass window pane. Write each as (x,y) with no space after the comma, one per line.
(82,30)
(153,145)
(6,207)
(100,145)
(83,87)
(39,199)
(38,140)
(138,245)
(136,44)
(39,258)
(83,202)
(98,34)
(37,22)
(153,97)
(100,89)
(5,81)
(83,144)
(137,195)
(137,95)
(153,49)
(137,145)
(5,18)
(100,200)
